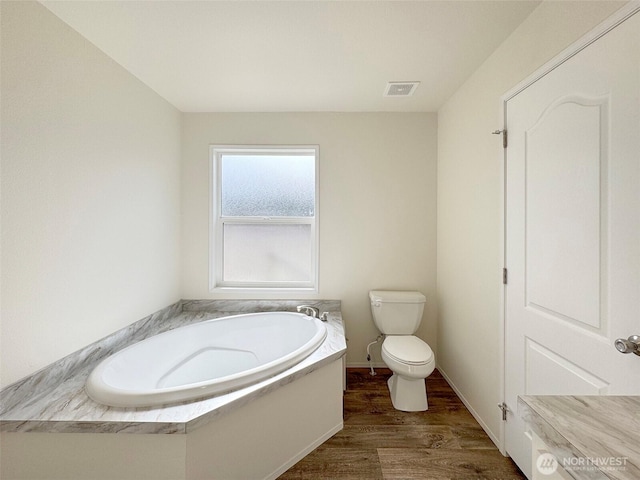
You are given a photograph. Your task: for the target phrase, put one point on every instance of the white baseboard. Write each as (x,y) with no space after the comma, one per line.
(495,439)
(304,452)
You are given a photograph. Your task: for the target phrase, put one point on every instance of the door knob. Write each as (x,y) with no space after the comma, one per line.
(630,345)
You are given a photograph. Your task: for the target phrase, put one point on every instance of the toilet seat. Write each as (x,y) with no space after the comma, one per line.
(407,349)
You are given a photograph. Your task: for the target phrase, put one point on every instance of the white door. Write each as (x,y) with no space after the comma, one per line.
(572,207)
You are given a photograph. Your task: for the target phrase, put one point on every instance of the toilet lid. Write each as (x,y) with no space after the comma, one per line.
(407,349)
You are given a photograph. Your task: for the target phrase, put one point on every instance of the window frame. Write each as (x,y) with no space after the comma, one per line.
(217,221)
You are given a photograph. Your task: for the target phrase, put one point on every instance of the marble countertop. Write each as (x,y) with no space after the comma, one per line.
(583,431)
(55,401)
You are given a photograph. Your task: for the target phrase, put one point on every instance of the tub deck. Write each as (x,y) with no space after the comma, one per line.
(53,400)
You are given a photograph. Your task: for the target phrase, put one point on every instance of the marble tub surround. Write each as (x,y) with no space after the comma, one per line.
(581,430)
(234,307)
(60,404)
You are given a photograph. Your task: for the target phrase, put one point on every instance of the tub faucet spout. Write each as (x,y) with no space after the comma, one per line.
(309,311)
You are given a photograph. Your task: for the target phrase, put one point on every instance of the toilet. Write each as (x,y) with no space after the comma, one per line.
(398,314)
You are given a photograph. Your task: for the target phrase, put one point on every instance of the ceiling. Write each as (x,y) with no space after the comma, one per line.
(275,56)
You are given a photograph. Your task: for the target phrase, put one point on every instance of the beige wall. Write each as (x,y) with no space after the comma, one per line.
(91,202)
(377,204)
(469,201)
(90,193)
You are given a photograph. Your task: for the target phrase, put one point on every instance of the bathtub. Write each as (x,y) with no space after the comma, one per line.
(205,359)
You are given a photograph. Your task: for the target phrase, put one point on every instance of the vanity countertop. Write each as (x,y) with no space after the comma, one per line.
(54,400)
(596,437)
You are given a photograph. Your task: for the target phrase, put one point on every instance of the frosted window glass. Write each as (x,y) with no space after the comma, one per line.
(268,185)
(267,253)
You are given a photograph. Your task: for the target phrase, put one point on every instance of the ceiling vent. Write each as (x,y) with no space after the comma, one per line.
(400,89)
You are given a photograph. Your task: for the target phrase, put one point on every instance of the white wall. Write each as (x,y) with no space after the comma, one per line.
(377,204)
(90,193)
(469,200)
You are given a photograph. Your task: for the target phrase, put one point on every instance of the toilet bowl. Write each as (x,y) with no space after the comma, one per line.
(411,360)
(398,314)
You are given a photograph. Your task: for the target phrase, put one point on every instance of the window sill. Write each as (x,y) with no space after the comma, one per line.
(263,290)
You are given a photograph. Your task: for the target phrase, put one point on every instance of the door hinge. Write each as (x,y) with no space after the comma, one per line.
(504,276)
(504,137)
(503,406)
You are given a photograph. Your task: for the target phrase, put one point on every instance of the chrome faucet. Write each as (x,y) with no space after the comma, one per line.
(308,310)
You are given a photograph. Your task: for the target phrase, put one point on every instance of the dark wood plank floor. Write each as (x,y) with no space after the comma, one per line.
(379,442)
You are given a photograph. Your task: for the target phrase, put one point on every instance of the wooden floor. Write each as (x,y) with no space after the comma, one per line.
(379,442)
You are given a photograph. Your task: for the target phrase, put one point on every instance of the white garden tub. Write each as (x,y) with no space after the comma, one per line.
(208,358)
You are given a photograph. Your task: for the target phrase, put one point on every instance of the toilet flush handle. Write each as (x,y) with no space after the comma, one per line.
(376,304)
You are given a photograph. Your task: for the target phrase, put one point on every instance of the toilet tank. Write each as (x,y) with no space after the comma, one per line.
(397,312)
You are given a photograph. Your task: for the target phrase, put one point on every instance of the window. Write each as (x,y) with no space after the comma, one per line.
(264,231)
